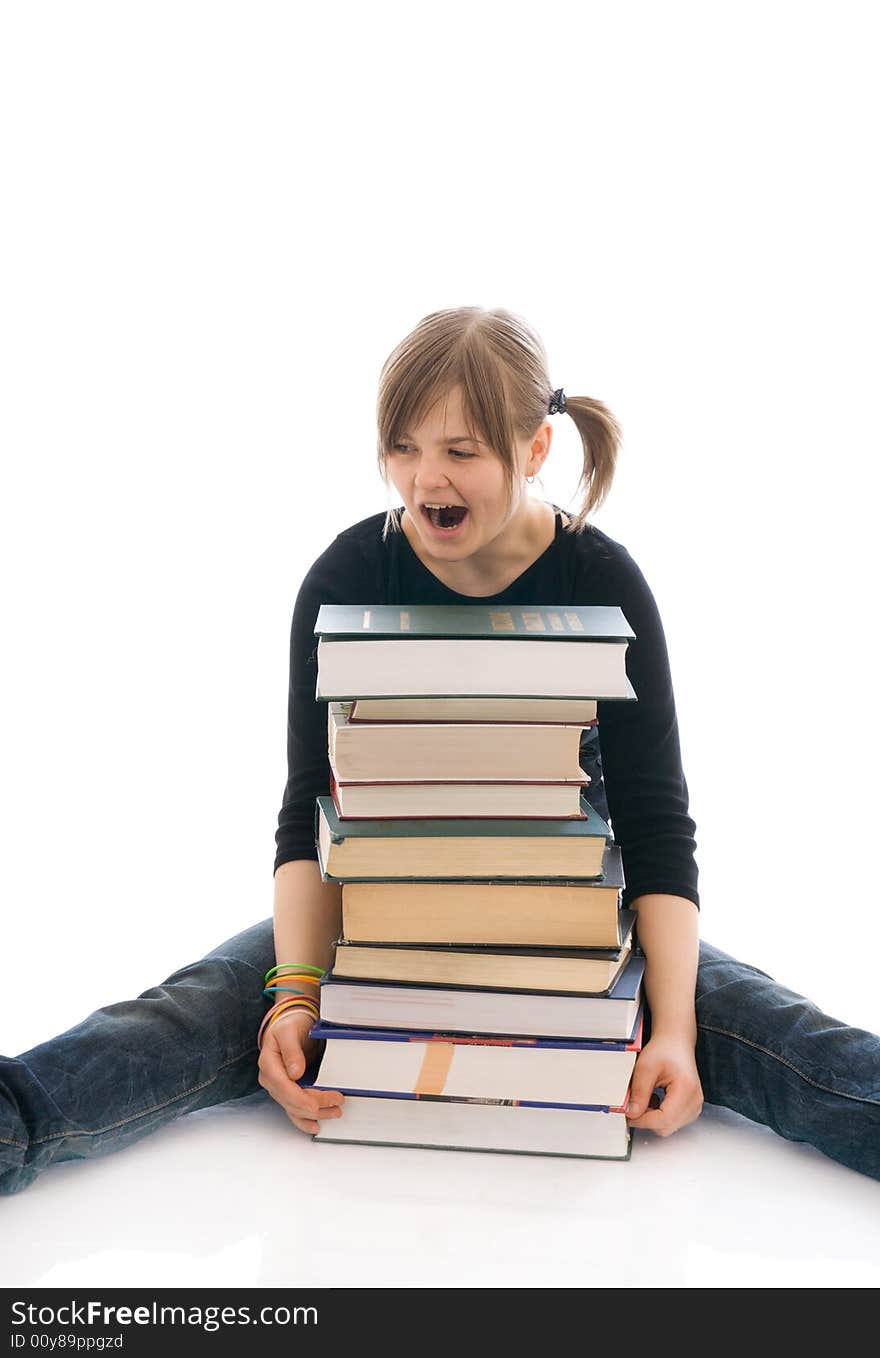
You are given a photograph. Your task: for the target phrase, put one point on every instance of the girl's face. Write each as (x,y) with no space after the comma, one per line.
(453,488)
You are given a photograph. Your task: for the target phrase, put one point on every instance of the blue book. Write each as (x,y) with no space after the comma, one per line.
(522,1070)
(441,1091)
(452,1009)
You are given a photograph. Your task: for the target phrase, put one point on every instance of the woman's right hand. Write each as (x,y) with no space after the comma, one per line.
(286,1051)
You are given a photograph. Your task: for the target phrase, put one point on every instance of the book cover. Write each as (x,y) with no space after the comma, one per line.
(471,667)
(517,911)
(568,971)
(554,622)
(321,1030)
(505,1128)
(468,651)
(432,848)
(588,825)
(413,1007)
(521,1070)
(610,876)
(379,752)
(581,712)
(453,799)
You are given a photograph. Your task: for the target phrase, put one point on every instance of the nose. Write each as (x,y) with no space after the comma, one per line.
(430,471)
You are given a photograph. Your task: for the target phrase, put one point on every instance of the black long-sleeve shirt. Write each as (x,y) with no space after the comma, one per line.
(633,756)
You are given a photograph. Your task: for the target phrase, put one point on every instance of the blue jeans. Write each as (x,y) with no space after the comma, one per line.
(191,1043)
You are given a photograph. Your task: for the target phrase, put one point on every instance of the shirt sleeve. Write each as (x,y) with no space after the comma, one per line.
(645,786)
(338,576)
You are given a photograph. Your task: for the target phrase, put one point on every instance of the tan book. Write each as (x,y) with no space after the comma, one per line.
(474,798)
(539,914)
(575,971)
(558,711)
(427,751)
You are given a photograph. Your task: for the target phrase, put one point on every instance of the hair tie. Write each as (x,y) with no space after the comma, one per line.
(557,402)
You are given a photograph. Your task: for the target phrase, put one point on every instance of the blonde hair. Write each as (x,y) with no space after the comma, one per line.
(500,364)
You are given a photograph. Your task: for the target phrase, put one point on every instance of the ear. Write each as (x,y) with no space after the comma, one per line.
(539,449)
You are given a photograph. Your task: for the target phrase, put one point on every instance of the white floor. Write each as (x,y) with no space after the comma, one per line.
(235,1196)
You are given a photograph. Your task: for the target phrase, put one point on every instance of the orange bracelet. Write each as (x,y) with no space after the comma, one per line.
(282,1007)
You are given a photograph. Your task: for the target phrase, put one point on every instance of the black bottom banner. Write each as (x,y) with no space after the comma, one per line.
(196,1321)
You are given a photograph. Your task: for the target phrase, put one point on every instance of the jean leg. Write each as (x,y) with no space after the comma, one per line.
(774,1057)
(129,1067)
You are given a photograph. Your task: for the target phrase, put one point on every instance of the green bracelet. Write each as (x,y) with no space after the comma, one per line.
(296,966)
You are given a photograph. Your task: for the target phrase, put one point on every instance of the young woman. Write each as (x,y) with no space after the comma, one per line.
(464,426)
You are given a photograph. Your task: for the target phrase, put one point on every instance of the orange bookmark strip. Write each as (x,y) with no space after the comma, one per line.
(435,1068)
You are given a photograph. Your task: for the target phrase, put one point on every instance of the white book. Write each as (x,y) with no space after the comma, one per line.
(445,1125)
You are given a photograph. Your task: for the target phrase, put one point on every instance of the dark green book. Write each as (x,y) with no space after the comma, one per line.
(423,848)
(551,622)
(471,651)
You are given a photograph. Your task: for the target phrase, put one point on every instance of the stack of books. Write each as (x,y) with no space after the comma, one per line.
(486,991)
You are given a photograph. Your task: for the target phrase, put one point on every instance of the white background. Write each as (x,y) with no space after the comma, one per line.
(219,219)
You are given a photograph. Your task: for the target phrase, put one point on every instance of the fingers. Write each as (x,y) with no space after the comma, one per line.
(643,1094)
(666,1093)
(288,1036)
(677,1110)
(282,1053)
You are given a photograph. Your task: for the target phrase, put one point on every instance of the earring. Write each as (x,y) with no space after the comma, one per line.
(530,480)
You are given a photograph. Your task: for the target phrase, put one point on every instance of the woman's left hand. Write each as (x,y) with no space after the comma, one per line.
(667,1063)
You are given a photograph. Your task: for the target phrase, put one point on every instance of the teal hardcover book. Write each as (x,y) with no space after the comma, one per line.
(461,651)
(560,622)
(446,847)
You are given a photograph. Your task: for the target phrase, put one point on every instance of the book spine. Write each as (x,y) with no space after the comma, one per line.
(459,1098)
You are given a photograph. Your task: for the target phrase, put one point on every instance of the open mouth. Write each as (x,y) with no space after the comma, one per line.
(445,518)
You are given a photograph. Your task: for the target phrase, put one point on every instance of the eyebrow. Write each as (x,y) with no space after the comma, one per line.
(455,438)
